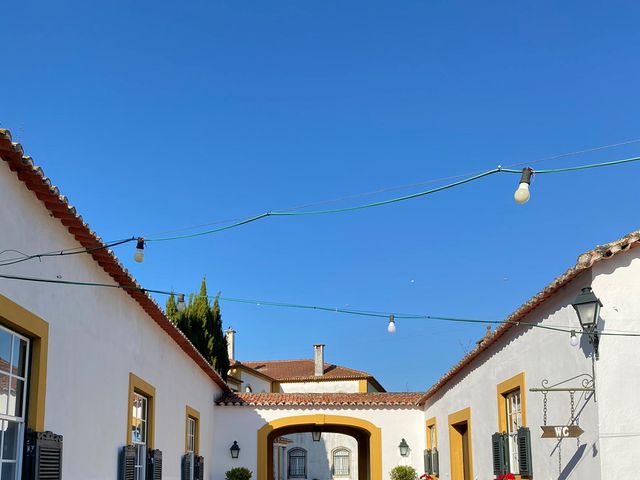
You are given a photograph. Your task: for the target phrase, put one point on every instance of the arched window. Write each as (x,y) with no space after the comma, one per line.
(297,463)
(341,462)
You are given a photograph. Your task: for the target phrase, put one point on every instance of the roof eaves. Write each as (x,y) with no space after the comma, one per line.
(585,261)
(58,205)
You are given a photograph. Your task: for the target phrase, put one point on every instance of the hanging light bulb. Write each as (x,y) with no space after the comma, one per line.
(391,328)
(181,305)
(522,193)
(139,255)
(574,339)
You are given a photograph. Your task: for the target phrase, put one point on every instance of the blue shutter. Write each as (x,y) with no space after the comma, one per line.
(428,466)
(435,462)
(199,469)
(43,456)
(127,462)
(154,465)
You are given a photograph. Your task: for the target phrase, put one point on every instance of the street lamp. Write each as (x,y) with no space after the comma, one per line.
(235,450)
(404,448)
(316,434)
(587,307)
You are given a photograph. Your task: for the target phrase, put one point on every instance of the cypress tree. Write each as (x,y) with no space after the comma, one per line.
(201,322)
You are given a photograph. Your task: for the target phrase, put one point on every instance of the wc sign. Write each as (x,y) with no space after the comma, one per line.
(561,431)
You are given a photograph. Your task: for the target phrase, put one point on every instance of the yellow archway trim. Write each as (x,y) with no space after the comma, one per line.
(375,439)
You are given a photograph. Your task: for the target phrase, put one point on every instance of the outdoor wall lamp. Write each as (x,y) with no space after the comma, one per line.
(316,434)
(235,450)
(587,307)
(404,448)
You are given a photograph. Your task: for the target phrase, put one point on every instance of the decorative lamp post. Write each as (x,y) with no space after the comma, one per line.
(316,434)
(587,307)
(235,450)
(404,448)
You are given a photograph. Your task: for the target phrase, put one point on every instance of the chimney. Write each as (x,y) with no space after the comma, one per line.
(231,343)
(318,358)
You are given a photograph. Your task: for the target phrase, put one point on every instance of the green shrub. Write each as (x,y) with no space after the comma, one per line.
(238,473)
(403,473)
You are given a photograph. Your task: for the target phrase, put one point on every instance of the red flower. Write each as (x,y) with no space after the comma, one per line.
(507,476)
(426,477)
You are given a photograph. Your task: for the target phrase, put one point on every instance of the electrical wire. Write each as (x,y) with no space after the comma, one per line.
(365,313)
(61,253)
(472,178)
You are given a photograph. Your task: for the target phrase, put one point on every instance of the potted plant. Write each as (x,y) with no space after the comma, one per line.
(402,472)
(238,473)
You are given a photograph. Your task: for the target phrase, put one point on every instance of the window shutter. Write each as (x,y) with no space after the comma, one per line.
(524,452)
(127,462)
(498,444)
(154,465)
(435,462)
(199,470)
(187,466)
(43,456)
(428,466)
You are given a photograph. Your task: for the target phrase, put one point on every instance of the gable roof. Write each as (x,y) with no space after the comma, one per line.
(304,371)
(408,399)
(584,262)
(58,206)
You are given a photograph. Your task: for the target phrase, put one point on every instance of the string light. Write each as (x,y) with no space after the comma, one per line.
(574,340)
(139,255)
(365,313)
(522,194)
(391,328)
(181,305)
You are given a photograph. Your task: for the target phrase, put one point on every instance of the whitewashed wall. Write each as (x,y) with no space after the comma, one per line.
(617,284)
(341,386)
(257,384)
(612,429)
(97,336)
(242,424)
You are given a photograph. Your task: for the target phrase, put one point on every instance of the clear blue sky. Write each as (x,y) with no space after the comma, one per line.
(152,116)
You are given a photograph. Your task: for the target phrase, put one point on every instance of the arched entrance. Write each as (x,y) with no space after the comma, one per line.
(366,433)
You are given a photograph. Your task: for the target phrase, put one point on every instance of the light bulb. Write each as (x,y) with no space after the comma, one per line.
(522,194)
(181,305)
(391,328)
(574,340)
(139,255)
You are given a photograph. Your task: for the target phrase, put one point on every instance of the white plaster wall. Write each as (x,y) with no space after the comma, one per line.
(97,336)
(320,454)
(242,423)
(342,386)
(617,284)
(258,384)
(541,354)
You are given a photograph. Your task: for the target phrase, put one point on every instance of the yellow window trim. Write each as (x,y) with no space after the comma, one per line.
(432,423)
(514,383)
(16,318)
(137,385)
(455,448)
(363,386)
(195,414)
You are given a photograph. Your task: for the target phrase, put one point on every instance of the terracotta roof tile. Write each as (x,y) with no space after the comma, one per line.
(584,262)
(409,399)
(58,205)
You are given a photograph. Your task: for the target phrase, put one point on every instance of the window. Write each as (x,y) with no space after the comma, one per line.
(511,417)
(297,463)
(341,462)
(192,431)
(140,430)
(513,413)
(14,352)
(431,455)
(139,433)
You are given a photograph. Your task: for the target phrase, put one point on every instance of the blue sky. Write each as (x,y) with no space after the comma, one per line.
(154,116)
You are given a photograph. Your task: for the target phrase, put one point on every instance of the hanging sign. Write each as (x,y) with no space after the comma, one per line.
(561,431)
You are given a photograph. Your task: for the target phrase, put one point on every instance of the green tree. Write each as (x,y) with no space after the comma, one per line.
(201,322)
